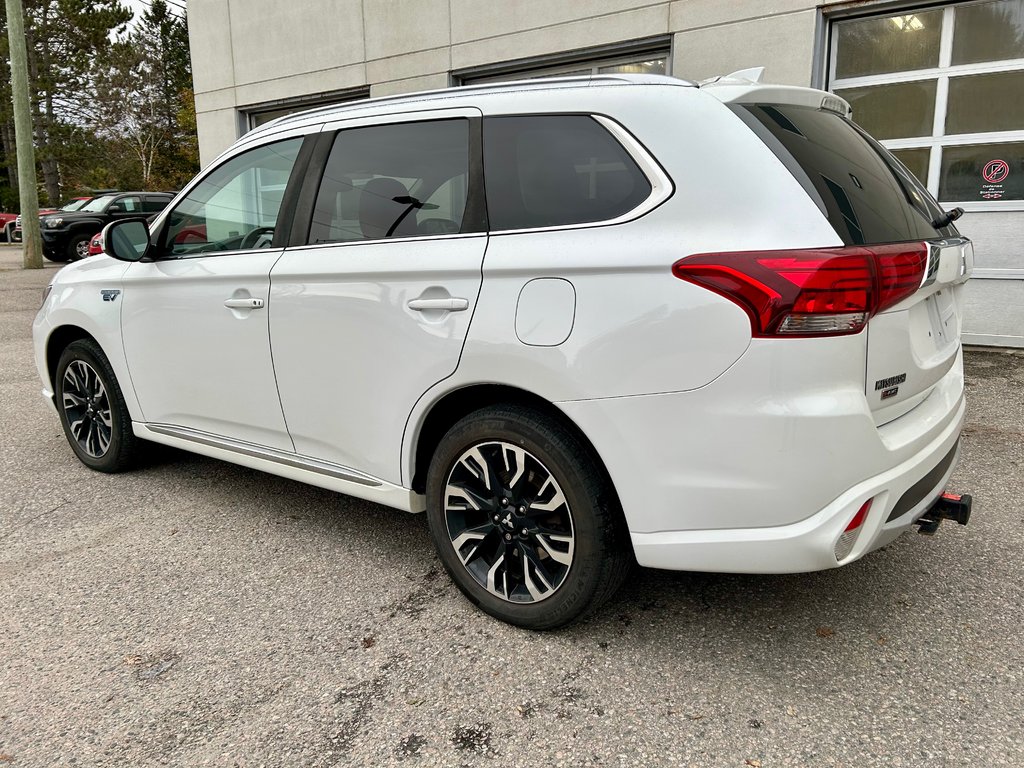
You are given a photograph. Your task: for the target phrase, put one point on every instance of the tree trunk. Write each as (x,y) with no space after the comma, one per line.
(10,154)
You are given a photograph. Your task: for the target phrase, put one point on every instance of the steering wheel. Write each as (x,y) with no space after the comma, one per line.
(253,236)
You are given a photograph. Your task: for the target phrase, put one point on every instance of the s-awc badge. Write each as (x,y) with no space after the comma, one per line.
(110,294)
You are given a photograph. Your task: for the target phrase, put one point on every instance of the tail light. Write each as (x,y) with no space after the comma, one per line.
(814,291)
(845,544)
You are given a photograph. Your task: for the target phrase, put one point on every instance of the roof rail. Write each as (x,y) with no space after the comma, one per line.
(527,84)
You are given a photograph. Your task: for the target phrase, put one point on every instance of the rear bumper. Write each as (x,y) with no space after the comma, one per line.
(761,470)
(809,545)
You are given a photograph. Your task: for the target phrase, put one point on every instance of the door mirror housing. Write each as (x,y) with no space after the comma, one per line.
(115,208)
(127,240)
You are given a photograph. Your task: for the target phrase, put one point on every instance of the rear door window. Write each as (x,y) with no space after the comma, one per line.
(867,194)
(398,180)
(557,170)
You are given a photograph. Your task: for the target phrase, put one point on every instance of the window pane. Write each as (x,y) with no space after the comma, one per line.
(980,103)
(989,32)
(400,180)
(235,207)
(888,44)
(916,161)
(982,172)
(645,67)
(557,170)
(865,200)
(896,111)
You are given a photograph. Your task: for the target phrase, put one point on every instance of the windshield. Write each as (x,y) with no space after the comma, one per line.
(74,205)
(97,204)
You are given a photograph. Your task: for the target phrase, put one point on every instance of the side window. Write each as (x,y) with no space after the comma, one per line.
(129,204)
(154,204)
(401,180)
(235,207)
(557,170)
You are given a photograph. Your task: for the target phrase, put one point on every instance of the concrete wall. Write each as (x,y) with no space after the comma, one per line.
(247,52)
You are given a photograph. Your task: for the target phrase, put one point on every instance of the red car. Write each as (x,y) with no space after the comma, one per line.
(7,224)
(96,244)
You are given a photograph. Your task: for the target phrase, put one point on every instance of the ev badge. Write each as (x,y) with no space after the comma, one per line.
(109,294)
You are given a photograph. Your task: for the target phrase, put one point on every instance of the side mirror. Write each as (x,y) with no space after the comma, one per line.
(115,208)
(127,240)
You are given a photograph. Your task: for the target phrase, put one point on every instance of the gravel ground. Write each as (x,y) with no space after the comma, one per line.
(198,613)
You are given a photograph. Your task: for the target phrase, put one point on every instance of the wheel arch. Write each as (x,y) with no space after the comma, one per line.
(458,403)
(58,341)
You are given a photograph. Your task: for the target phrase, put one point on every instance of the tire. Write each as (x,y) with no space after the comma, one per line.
(92,410)
(78,247)
(556,549)
(60,258)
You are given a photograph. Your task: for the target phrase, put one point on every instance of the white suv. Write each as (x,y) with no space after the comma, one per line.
(578,321)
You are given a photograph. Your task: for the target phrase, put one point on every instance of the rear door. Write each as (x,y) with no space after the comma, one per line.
(371,307)
(870,198)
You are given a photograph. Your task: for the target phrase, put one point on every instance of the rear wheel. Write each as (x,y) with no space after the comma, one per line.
(523,518)
(92,410)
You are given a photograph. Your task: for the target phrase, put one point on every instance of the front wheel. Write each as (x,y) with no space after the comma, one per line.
(78,247)
(523,518)
(92,410)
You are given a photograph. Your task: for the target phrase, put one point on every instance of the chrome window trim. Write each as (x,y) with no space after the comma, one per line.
(264,453)
(661,185)
(414,238)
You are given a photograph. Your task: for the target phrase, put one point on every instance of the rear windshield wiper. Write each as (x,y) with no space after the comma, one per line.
(948,218)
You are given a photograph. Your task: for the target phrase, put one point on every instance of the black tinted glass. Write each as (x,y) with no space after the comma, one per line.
(154,204)
(403,180)
(869,196)
(555,170)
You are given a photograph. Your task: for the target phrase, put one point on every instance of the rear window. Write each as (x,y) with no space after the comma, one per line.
(868,196)
(557,170)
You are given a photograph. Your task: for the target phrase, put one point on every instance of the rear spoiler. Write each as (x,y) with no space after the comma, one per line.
(744,87)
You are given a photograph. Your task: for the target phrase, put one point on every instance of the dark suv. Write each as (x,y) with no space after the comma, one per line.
(66,233)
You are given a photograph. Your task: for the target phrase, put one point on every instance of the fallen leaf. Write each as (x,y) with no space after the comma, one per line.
(791,711)
(753,763)
(881,639)
(824,632)
(369,641)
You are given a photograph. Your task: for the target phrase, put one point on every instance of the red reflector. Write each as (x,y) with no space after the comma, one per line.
(952,496)
(858,519)
(813,291)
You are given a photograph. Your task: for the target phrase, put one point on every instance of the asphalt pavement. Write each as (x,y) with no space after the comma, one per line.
(195,613)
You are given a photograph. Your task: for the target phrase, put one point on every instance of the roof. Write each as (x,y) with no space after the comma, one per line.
(461,92)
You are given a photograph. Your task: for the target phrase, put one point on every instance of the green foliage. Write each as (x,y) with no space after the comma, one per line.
(111,100)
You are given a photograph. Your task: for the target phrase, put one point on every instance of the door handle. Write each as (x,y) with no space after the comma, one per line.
(248,303)
(445,305)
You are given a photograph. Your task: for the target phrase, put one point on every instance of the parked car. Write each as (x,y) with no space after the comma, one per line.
(73,204)
(66,235)
(7,223)
(96,244)
(577,321)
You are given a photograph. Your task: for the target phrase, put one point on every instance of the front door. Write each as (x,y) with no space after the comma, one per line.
(373,310)
(195,321)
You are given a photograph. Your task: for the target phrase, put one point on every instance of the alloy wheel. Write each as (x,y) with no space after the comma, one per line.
(509,522)
(87,408)
(82,249)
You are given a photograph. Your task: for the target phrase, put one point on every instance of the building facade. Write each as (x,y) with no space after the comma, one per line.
(940,84)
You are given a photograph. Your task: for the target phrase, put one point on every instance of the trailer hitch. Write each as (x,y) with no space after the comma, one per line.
(949,506)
